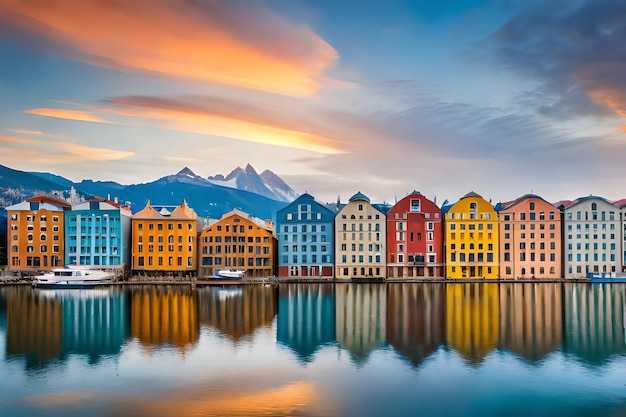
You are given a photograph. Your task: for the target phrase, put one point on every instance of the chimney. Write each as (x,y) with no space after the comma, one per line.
(115,200)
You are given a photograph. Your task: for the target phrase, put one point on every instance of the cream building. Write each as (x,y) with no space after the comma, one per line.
(360,234)
(592,241)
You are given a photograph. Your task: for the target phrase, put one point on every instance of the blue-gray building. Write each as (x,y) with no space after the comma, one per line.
(306,239)
(97,233)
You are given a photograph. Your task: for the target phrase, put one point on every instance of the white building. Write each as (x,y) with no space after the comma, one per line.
(593,237)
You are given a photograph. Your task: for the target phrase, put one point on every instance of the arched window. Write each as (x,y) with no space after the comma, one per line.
(42,237)
(472,210)
(523,271)
(551,270)
(14,248)
(170,239)
(594,206)
(471,246)
(30,237)
(532,205)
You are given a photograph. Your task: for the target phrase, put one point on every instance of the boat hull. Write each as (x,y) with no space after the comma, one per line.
(70,286)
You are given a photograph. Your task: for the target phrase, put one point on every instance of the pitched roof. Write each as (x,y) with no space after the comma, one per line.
(41,198)
(586,198)
(183,212)
(507,205)
(471,194)
(359,196)
(148,212)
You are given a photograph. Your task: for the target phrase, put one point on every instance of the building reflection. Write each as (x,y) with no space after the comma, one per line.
(594,321)
(3,310)
(164,315)
(531,319)
(46,324)
(237,311)
(306,318)
(416,319)
(472,319)
(361,323)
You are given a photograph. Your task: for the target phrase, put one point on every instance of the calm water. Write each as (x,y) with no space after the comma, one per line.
(315,350)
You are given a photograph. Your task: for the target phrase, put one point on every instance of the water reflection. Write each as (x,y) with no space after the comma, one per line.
(473,319)
(237,311)
(361,323)
(531,319)
(416,320)
(45,324)
(306,318)
(594,321)
(416,324)
(164,315)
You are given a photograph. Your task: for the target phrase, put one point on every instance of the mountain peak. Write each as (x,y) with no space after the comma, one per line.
(187,172)
(250,170)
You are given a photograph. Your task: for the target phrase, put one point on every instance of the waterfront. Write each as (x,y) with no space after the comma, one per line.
(315,350)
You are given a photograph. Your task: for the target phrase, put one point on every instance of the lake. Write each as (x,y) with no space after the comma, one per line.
(315,350)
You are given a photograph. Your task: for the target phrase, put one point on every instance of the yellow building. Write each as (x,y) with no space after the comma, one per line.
(35,233)
(472,239)
(238,241)
(164,241)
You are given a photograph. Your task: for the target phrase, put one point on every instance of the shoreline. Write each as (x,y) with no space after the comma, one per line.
(7,281)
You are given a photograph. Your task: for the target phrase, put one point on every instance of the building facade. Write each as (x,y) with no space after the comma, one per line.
(306,236)
(622,205)
(35,233)
(415,238)
(530,239)
(472,239)
(360,233)
(97,233)
(592,237)
(238,242)
(164,241)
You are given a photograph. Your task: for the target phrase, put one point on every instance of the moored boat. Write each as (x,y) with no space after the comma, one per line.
(231,273)
(72,278)
(607,277)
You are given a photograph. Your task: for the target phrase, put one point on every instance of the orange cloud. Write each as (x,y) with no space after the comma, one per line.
(66,114)
(212,41)
(54,152)
(233,120)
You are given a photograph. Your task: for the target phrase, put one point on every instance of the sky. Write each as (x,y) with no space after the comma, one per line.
(500,97)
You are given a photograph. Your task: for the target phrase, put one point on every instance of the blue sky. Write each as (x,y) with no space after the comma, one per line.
(500,97)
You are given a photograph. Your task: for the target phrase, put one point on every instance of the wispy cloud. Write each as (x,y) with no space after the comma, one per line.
(228,42)
(68,114)
(54,152)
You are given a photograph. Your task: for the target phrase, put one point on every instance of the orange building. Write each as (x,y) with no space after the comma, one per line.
(164,241)
(35,233)
(530,239)
(238,241)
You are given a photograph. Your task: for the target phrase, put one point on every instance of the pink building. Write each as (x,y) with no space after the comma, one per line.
(530,239)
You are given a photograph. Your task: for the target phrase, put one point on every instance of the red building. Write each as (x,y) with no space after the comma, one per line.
(415,238)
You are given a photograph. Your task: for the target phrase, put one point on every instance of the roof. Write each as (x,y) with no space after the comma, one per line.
(620,203)
(180,212)
(471,194)
(359,196)
(507,205)
(104,200)
(587,198)
(184,212)
(41,198)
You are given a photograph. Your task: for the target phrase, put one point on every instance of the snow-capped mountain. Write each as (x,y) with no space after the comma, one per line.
(267,184)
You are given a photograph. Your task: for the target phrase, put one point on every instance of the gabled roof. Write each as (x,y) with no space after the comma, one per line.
(620,203)
(507,205)
(41,198)
(587,198)
(184,212)
(471,194)
(147,213)
(359,196)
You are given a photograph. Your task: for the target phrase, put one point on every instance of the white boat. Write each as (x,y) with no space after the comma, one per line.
(72,278)
(231,273)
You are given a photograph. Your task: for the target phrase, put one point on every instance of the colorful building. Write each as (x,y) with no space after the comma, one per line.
(360,231)
(592,237)
(530,239)
(306,236)
(35,233)
(97,233)
(164,241)
(415,238)
(472,239)
(238,241)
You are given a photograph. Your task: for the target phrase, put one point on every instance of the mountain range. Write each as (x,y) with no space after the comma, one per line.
(259,195)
